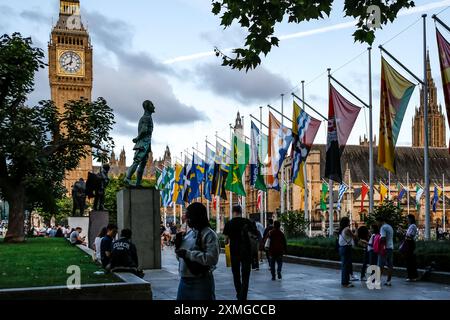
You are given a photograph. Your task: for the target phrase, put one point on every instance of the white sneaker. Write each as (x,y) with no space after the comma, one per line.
(353,278)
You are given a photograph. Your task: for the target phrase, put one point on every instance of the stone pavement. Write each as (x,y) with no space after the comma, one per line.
(300,282)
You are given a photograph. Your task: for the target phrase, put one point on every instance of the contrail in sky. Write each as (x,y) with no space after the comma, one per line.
(302,34)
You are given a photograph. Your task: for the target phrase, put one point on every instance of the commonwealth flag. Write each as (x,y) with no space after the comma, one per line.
(437,194)
(240,159)
(383,192)
(280,138)
(323,196)
(342,189)
(304,131)
(396,91)
(342,115)
(209,173)
(178,184)
(168,187)
(256,177)
(419,194)
(444,59)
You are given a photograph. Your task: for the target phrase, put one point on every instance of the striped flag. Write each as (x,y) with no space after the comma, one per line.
(396,92)
(419,194)
(444,59)
(259,199)
(342,190)
(304,130)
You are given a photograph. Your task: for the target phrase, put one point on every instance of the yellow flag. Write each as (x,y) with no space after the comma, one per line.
(383,192)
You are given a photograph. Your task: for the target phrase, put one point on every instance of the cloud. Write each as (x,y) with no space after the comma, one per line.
(259,85)
(35,15)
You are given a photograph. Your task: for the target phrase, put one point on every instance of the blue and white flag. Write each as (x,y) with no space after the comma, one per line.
(209,173)
(342,189)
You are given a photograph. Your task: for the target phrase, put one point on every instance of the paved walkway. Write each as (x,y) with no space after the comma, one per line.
(300,282)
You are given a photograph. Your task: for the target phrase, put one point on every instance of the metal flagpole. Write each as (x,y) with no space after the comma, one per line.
(231,157)
(425,120)
(165,217)
(371,169)
(407,190)
(330,188)
(443,201)
(205,178)
(259,163)
(389,185)
(217,214)
(305,173)
(282,166)
(244,178)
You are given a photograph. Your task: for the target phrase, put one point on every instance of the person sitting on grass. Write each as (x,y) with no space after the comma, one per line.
(124,255)
(106,245)
(75,237)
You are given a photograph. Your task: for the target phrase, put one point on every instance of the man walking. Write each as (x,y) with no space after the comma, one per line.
(239,232)
(387,241)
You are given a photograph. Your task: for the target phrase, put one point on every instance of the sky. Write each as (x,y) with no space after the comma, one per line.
(162,51)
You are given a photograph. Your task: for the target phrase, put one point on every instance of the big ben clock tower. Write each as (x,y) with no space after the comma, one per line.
(70,69)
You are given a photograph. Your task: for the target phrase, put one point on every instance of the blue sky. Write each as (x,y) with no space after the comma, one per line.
(197,97)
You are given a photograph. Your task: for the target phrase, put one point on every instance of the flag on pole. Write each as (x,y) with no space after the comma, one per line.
(383,191)
(323,196)
(256,177)
(342,190)
(342,115)
(401,192)
(280,138)
(259,200)
(396,92)
(240,159)
(178,184)
(195,177)
(219,180)
(304,131)
(436,196)
(209,173)
(364,192)
(419,193)
(444,59)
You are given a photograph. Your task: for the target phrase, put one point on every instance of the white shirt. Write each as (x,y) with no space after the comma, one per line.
(387,232)
(412,231)
(370,244)
(97,243)
(345,240)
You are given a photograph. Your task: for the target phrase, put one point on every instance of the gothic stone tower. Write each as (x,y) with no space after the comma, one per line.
(436,120)
(70,69)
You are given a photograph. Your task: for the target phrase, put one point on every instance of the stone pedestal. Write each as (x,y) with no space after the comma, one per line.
(82,222)
(97,221)
(138,209)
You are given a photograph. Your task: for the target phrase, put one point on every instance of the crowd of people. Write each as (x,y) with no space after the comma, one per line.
(197,249)
(378,244)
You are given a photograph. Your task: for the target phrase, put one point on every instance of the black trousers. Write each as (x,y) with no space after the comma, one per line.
(241,275)
(411,264)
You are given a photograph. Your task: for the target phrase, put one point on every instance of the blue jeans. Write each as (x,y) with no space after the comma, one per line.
(279,261)
(346,264)
(197,288)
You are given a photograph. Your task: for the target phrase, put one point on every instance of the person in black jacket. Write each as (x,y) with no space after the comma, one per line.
(124,255)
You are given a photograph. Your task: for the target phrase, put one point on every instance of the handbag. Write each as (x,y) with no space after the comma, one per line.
(404,247)
(227,256)
(267,244)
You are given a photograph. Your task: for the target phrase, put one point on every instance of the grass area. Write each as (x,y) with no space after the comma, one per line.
(43,262)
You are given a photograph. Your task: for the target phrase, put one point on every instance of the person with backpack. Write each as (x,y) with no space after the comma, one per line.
(198,252)
(240,234)
(345,243)
(264,239)
(277,247)
(385,249)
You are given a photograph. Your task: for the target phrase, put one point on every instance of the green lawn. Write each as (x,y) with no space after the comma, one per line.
(43,262)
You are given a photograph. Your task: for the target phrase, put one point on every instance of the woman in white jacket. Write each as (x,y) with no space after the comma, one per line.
(198,253)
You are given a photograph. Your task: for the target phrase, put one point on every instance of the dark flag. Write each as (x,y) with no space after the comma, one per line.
(342,115)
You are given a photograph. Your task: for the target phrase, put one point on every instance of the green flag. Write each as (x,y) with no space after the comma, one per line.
(323,197)
(240,158)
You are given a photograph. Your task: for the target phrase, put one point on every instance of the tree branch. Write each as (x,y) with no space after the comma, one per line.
(60,146)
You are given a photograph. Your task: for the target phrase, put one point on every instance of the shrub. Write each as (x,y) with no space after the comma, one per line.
(391,213)
(294,223)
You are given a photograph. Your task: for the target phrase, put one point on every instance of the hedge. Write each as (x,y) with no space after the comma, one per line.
(322,248)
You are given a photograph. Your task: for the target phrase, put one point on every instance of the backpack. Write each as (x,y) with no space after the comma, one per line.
(249,240)
(377,247)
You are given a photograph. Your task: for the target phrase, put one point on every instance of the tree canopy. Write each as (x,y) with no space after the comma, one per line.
(39,144)
(259,18)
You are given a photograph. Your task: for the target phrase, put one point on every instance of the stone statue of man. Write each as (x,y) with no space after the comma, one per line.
(142,145)
(79,197)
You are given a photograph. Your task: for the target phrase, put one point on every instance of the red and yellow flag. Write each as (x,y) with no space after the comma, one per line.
(444,58)
(396,91)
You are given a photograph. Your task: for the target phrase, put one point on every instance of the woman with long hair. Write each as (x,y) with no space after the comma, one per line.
(198,253)
(97,243)
(346,242)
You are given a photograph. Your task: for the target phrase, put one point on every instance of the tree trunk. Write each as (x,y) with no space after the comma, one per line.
(16,228)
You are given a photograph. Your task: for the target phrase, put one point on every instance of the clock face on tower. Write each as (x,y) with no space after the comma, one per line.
(70,62)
